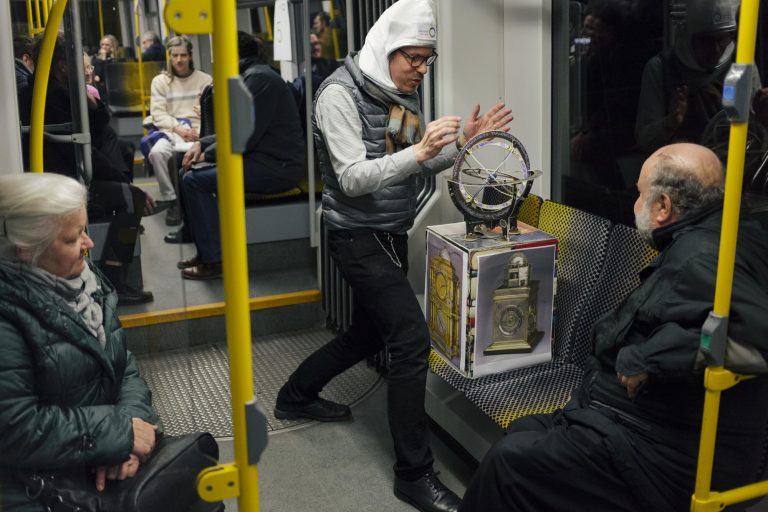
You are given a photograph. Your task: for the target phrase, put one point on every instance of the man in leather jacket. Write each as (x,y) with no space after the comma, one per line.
(628,439)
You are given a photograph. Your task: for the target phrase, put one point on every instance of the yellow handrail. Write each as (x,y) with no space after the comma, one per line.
(101,24)
(139,57)
(268,21)
(717,378)
(194,16)
(334,32)
(40,89)
(231,194)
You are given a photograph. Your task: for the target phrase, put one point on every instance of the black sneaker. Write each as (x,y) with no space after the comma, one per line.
(427,494)
(318,409)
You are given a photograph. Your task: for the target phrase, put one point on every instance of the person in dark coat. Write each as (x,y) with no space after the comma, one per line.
(71,397)
(628,439)
(273,160)
(152,48)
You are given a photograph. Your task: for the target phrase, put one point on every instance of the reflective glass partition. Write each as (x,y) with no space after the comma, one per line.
(632,76)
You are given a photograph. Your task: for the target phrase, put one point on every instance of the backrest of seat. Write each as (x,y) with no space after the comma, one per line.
(529,211)
(123,86)
(582,240)
(206,111)
(626,255)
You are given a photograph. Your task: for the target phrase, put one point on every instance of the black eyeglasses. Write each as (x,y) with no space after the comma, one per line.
(418,60)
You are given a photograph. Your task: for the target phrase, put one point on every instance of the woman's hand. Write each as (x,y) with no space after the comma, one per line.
(497,118)
(127,469)
(143,438)
(439,133)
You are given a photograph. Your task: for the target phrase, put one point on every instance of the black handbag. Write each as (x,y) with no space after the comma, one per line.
(166,482)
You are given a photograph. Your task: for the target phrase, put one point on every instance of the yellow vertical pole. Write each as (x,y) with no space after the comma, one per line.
(40,89)
(45,12)
(30,24)
(268,21)
(101,22)
(334,32)
(38,22)
(141,67)
(715,377)
(234,257)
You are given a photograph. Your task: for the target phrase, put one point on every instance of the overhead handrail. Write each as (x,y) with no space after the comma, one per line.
(714,332)
(238,479)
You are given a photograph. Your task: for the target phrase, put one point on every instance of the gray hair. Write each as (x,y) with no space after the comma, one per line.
(178,41)
(31,208)
(672,176)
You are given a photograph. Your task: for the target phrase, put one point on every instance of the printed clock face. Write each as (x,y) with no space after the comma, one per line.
(511,320)
(441,286)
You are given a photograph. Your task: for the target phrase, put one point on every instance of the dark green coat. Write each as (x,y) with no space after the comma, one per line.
(65,402)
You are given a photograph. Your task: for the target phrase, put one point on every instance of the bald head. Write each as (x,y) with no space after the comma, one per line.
(697,161)
(675,180)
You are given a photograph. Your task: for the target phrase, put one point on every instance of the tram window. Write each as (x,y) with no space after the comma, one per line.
(641,75)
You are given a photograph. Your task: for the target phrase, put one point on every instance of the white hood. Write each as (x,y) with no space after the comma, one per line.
(406,23)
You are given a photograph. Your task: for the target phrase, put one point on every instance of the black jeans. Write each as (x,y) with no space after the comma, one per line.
(386,313)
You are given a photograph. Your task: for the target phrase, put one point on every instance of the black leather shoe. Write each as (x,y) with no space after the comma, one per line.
(130,296)
(319,410)
(427,494)
(173,217)
(180,236)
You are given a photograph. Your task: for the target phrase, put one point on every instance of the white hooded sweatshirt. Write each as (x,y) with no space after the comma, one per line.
(405,23)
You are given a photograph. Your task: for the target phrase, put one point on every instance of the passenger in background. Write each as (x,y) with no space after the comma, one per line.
(629,438)
(175,112)
(372,145)
(24,61)
(25,64)
(71,397)
(112,197)
(321,69)
(109,49)
(151,47)
(88,70)
(321,26)
(682,87)
(273,161)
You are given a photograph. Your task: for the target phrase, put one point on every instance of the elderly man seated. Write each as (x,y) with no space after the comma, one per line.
(628,439)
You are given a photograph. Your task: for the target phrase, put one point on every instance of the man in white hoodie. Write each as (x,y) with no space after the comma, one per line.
(372,146)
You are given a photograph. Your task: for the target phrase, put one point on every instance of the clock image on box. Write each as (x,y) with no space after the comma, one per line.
(514,310)
(444,305)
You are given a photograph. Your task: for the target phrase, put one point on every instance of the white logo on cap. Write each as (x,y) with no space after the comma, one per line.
(426,31)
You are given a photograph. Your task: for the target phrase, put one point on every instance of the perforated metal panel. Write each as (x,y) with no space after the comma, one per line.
(582,239)
(190,387)
(529,211)
(626,255)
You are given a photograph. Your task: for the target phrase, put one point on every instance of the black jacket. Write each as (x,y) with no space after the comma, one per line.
(276,143)
(657,330)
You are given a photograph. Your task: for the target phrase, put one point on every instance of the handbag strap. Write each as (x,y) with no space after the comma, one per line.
(39,489)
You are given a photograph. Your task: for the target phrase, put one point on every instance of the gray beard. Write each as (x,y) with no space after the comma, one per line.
(644,225)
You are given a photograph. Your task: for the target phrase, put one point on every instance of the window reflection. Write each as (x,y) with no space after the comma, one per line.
(644,74)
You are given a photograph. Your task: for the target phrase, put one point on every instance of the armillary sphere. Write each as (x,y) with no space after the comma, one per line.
(490,180)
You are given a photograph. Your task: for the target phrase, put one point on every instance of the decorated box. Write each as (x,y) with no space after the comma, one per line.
(489,301)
